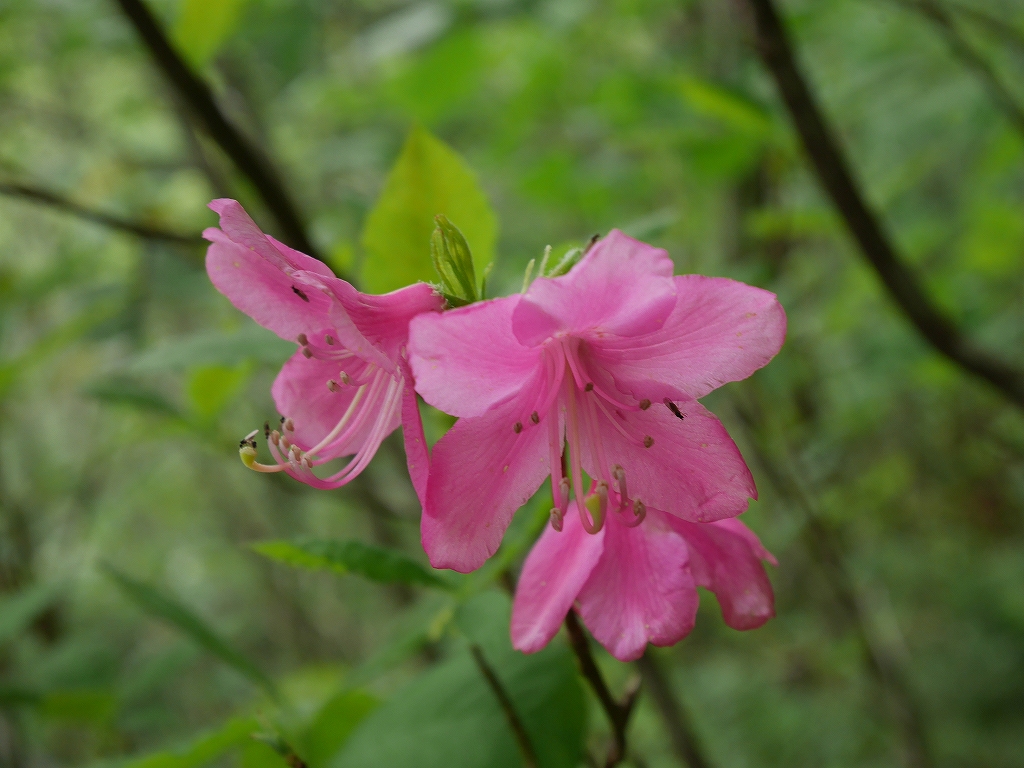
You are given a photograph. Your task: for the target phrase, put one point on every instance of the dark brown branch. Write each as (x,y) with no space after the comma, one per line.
(197,95)
(971,58)
(618,712)
(677,723)
(518,729)
(825,546)
(834,174)
(53,200)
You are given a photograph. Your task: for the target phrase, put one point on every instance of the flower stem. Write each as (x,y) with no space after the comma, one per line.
(677,723)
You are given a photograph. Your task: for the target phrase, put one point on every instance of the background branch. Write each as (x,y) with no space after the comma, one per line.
(971,58)
(518,729)
(677,723)
(618,712)
(53,200)
(197,95)
(834,174)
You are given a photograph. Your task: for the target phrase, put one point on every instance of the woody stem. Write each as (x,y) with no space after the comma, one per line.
(618,712)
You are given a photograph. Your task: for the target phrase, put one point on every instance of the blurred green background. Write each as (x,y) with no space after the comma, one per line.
(139,626)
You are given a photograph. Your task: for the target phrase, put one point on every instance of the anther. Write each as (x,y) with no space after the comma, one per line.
(648,441)
(282,419)
(289,425)
(517,427)
(589,387)
(275,437)
(675,409)
(329,339)
(307,352)
(332,385)
(303,339)
(620,478)
(557,520)
(266,429)
(645,404)
(535,418)
(345,378)
(639,513)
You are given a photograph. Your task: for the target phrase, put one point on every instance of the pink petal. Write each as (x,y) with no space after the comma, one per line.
(300,393)
(417,458)
(719,331)
(241,229)
(384,319)
(622,287)
(263,291)
(692,468)
(467,359)
(725,557)
(481,472)
(641,589)
(554,573)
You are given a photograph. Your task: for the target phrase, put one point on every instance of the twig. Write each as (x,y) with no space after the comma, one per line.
(835,176)
(677,723)
(518,729)
(618,712)
(53,200)
(971,58)
(197,95)
(824,544)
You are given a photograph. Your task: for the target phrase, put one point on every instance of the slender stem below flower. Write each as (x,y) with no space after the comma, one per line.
(677,723)
(618,712)
(518,729)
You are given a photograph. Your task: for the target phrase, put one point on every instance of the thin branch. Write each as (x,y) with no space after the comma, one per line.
(618,712)
(971,58)
(883,661)
(53,200)
(834,174)
(677,722)
(194,91)
(518,729)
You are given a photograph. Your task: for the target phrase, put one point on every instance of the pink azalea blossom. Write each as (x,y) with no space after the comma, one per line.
(344,390)
(637,584)
(610,359)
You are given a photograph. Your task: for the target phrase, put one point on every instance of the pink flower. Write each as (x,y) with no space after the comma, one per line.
(638,584)
(610,358)
(344,390)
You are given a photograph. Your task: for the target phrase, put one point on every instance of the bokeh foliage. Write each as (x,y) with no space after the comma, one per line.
(138,620)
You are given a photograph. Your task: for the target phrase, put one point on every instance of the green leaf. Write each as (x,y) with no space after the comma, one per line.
(211,387)
(201,751)
(82,706)
(124,390)
(250,344)
(429,178)
(375,563)
(730,108)
(19,610)
(157,604)
(333,725)
(450,718)
(204,25)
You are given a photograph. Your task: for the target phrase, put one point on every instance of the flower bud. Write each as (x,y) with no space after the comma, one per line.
(453,262)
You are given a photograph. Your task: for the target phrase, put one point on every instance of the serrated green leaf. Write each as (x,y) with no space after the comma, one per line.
(429,178)
(450,718)
(204,25)
(375,563)
(157,604)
